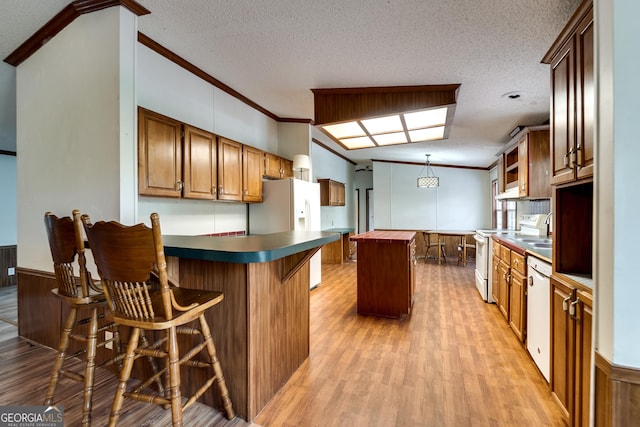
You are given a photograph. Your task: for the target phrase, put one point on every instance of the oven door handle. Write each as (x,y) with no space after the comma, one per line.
(480,240)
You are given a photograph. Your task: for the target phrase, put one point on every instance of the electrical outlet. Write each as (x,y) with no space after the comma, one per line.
(11,271)
(108,335)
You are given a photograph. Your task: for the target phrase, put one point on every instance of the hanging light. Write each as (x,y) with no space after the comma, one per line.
(430,180)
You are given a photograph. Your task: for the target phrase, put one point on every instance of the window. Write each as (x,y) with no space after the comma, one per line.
(504,211)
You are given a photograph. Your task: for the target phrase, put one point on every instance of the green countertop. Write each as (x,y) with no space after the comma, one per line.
(246,249)
(340,230)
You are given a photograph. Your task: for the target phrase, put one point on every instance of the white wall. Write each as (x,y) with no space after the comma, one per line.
(169,89)
(8,198)
(325,164)
(461,202)
(616,206)
(70,95)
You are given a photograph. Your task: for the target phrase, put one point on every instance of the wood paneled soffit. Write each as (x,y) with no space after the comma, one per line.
(65,17)
(346,104)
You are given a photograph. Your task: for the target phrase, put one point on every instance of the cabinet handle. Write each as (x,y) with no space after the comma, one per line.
(572,309)
(179,185)
(565,303)
(221,190)
(530,280)
(578,160)
(213,190)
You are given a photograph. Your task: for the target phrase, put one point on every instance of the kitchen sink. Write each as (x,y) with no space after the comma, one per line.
(542,245)
(533,241)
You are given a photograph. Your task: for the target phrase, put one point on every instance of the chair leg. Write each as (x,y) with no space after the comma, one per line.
(217,369)
(92,339)
(174,378)
(62,350)
(124,377)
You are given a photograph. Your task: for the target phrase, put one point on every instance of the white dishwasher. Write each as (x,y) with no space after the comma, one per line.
(539,314)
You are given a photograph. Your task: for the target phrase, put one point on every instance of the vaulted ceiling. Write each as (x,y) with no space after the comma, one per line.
(274,52)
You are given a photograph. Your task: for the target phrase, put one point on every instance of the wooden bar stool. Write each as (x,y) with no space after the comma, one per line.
(65,242)
(130,259)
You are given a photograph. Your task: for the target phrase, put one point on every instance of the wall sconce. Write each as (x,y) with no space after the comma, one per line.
(430,180)
(301,164)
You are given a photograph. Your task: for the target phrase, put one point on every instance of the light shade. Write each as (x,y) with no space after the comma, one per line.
(430,180)
(301,162)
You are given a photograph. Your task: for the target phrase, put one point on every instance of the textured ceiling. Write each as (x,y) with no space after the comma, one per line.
(274,52)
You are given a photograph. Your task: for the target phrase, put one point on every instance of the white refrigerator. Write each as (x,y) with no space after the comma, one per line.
(289,204)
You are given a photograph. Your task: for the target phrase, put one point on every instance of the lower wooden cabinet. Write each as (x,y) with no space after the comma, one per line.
(509,286)
(571,347)
(503,289)
(517,303)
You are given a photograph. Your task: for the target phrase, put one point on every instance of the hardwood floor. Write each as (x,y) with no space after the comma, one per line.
(453,362)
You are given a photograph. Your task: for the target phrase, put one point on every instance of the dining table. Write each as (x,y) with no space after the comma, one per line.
(461,234)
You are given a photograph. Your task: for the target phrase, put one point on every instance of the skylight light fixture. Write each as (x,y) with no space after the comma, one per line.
(370,117)
(430,180)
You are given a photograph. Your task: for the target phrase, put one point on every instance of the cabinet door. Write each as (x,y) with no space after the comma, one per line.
(229,170)
(523,167)
(562,114)
(517,305)
(584,322)
(495,291)
(252,167)
(503,289)
(562,346)
(272,166)
(585,97)
(159,155)
(287,168)
(200,164)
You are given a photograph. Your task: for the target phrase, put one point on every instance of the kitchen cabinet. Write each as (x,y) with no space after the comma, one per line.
(340,250)
(571,348)
(517,297)
(509,285)
(277,167)
(230,185)
(533,163)
(573,99)
(332,193)
(386,272)
(252,171)
(511,167)
(159,155)
(200,164)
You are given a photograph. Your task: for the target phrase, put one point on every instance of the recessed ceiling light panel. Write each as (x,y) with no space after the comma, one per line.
(426,118)
(426,134)
(383,124)
(345,130)
(360,142)
(391,138)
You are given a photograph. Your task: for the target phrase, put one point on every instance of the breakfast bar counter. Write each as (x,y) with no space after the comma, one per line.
(261,328)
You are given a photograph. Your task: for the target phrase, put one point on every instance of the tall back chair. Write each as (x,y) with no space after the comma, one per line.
(132,266)
(65,242)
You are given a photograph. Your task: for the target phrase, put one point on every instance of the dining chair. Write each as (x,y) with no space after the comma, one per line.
(431,240)
(133,270)
(78,293)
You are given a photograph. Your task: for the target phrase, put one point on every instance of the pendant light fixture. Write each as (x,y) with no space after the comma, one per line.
(430,180)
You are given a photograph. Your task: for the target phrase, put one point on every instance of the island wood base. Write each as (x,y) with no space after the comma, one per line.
(386,272)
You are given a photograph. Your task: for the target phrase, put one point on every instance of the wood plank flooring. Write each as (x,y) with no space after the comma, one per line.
(453,362)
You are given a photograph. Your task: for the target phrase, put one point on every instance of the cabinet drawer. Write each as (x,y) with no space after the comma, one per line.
(518,262)
(505,254)
(496,249)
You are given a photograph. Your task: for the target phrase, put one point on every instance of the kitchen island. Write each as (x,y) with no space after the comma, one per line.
(261,328)
(386,277)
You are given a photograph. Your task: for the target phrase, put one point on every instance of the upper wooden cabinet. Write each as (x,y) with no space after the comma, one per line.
(200,164)
(229,170)
(277,167)
(332,193)
(252,170)
(572,99)
(159,155)
(533,163)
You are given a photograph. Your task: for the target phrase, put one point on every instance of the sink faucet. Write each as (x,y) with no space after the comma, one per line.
(547,221)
